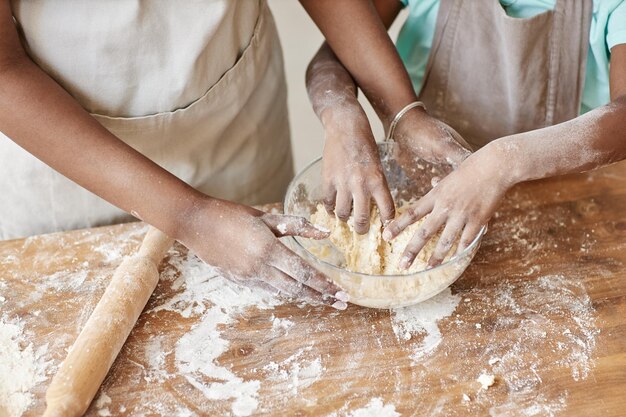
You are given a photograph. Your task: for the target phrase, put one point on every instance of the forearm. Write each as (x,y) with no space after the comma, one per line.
(355,31)
(333,93)
(329,85)
(47,122)
(592,140)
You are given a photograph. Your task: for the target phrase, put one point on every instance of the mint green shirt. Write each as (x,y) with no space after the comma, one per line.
(608,28)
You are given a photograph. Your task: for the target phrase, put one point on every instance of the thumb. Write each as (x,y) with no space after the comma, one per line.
(284,225)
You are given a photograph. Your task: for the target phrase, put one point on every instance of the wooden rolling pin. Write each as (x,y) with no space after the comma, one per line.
(92,354)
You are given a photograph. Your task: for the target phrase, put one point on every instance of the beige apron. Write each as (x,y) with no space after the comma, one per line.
(490,75)
(198,87)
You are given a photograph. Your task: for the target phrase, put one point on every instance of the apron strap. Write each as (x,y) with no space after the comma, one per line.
(445,8)
(567,92)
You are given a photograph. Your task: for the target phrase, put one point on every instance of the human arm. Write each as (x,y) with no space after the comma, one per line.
(46,121)
(351,166)
(466,199)
(352,173)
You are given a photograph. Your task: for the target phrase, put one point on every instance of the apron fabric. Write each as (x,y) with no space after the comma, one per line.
(490,75)
(225,130)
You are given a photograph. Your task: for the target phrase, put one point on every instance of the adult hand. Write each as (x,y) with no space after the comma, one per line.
(243,243)
(462,203)
(431,139)
(352,173)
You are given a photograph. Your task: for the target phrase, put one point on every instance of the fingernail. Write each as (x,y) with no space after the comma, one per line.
(386,235)
(339,305)
(342,296)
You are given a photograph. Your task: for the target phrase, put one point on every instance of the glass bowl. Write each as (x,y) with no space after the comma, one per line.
(408,177)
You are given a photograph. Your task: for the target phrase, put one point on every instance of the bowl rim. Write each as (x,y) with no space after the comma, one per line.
(465,251)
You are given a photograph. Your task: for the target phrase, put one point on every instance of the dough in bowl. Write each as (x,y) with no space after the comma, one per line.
(369,253)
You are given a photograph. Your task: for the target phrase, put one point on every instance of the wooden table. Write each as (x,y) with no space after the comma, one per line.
(542,309)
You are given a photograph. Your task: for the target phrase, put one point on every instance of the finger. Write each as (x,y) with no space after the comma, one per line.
(420,238)
(330,195)
(285,284)
(446,241)
(459,153)
(343,205)
(410,216)
(294,266)
(384,202)
(284,225)
(469,234)
(362,207)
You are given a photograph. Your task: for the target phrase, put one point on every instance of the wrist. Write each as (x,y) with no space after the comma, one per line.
(192,212)
(347,122)
(506,156)
(387,111)
(346,111)
(409,123)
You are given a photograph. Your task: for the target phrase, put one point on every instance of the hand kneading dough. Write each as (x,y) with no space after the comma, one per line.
(369,253)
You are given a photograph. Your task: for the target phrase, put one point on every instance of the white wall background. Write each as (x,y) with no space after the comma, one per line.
(301,39)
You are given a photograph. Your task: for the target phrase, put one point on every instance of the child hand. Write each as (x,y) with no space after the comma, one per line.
(352,173)
(462,203)
(243,243)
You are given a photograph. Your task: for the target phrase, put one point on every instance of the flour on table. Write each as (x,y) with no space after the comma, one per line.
(219,302)
(422,319)
(102,404)
(22,367)
(295,372)
(281,324)
(547,313)
(375,408)
(155,356)
(486,380)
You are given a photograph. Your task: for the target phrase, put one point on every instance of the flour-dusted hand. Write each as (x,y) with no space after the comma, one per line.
(431,139)
(243,243)
(352,173)
(461,203)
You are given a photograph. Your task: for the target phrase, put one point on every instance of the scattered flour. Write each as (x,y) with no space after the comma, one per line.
(102,404)
(295,371)
(552,312)
(375,408)
(540,406)
(65,281)
(155,355)
(115,250)
(422,318)
(196,354)
(486,380)
(22,367)
(548,313)
(282,324)
(220,302)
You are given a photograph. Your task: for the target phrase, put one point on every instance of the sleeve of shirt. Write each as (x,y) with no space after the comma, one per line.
(404,3)
(616,26)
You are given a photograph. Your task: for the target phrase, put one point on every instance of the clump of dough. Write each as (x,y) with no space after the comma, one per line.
(370,253)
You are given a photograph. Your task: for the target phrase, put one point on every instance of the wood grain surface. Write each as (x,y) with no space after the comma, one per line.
(542,308)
